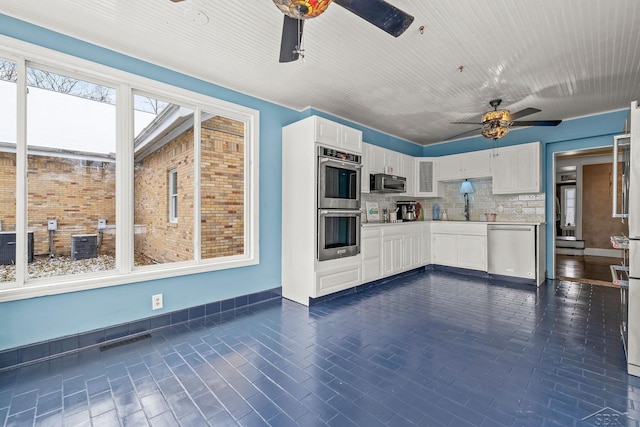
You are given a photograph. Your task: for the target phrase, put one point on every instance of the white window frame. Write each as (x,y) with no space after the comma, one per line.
(173,195)
(126,85)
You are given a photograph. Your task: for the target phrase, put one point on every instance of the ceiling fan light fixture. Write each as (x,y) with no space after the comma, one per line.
(492,116)
(495,130)
(495,124)
(302,9)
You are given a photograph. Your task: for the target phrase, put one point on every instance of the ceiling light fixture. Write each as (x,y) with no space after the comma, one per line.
(495,124)
(302,9)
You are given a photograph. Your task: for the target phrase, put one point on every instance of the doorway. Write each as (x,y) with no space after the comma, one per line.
(583,222)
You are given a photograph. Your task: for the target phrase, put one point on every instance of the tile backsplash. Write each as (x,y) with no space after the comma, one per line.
(507,207)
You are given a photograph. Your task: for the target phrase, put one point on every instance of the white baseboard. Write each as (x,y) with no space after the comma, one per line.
(613,253)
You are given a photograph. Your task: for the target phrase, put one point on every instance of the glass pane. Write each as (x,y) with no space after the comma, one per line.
(8,141)
(222,204)
(163,143)
(569,206)
(71,141)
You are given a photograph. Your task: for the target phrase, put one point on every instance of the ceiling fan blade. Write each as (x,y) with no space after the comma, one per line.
(460,135)
(465,123)
(289,49)
(380,13)
(177,1)
(522,113)
(537,123)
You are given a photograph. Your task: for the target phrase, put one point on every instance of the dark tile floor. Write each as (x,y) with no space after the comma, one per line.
(430,348)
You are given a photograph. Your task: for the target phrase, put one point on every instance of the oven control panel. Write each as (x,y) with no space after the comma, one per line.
(339,155)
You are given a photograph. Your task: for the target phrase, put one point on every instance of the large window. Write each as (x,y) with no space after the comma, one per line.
(8,93)
(71,146)
(125,179)
(222,201)
(164,185)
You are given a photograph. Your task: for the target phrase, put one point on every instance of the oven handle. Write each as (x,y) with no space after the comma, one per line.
(340,212)
(337,162)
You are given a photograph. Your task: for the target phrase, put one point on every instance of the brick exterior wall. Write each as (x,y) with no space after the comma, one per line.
(158,239)
(77,194)
(222,195)
(222,189)
(8,191)
(71,191)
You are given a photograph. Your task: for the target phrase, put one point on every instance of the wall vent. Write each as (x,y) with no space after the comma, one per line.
(124,342)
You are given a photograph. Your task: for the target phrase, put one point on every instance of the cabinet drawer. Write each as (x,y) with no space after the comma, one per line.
(332,281)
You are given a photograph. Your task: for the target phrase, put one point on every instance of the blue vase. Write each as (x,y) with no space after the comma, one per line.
(436,211)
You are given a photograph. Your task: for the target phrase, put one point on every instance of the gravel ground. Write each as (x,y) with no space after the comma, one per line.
(58,266)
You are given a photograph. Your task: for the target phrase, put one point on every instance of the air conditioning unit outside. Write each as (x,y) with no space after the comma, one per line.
(8,247)
(84,246)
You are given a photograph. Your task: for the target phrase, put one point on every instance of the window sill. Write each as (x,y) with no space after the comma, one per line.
(66,284)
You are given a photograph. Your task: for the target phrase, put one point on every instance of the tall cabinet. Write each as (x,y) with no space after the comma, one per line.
(303,276)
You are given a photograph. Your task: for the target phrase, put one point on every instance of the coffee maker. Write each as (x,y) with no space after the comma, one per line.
(406,210)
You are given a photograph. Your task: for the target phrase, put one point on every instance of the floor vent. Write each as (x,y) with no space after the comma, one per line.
(124,342)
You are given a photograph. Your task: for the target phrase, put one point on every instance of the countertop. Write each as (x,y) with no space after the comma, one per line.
(400,223)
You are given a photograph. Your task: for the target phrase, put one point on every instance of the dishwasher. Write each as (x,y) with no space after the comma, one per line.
(512,250)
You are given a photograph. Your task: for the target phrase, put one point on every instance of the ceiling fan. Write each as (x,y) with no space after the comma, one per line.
(378,12)
(495,124)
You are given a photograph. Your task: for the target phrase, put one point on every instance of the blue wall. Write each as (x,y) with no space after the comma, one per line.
(37,319)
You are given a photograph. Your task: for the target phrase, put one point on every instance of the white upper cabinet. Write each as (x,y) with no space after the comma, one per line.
(372,162)
(517,169)
(407,170)
(374,158)
(425,169)
(380,160)
(393,163)
(351,139)
(476,164)
(337,135)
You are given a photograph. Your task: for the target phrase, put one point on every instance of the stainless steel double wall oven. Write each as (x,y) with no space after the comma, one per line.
(339,175)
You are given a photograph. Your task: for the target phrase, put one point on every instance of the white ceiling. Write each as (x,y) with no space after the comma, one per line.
(569,58)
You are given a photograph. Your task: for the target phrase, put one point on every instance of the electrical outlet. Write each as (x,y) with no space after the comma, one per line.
(156,302)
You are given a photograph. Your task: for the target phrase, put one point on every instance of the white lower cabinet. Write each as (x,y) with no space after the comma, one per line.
(411,256)
(425,244)
(392,254)
(459,244)
(371,239)
(389,249)
(472,252)
(400,247)
(444,249)
(336,276)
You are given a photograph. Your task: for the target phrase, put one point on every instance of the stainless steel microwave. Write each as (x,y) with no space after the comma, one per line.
(383,183)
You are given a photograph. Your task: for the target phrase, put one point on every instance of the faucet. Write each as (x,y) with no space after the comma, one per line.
(466,207)
(466,188)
